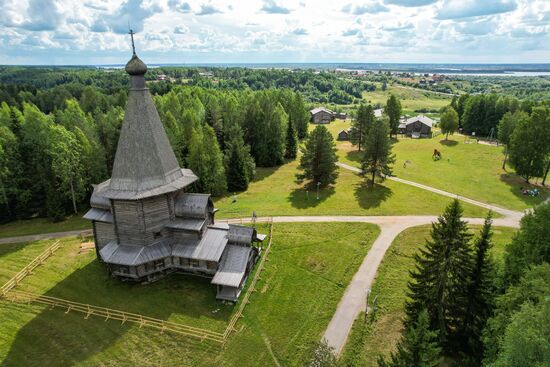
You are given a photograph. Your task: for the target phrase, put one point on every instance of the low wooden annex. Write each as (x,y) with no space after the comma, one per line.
(144,222)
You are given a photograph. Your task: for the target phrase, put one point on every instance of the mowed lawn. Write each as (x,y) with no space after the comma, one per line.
(276,192)
(469,169)
(43,225)
(308,269)
(390,286)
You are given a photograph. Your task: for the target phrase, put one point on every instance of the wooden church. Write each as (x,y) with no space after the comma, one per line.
(146,225)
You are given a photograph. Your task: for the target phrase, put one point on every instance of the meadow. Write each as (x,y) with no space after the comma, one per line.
(411,99)
(297,294)
(275,191)
(367,342)
(467,168)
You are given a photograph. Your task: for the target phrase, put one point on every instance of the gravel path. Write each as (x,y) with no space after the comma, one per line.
(44,236)
(353,301)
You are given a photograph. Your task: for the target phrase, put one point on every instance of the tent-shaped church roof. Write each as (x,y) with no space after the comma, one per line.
(145,164)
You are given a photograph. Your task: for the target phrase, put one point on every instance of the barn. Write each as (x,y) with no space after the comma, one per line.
(145,223)
(344,135)
(322,115)
(418,127)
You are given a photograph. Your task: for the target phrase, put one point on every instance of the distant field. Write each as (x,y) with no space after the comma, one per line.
(411,100)
(391,286)
(309,267)
(472,170)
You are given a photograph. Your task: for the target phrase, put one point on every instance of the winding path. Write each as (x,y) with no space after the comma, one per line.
(353,300)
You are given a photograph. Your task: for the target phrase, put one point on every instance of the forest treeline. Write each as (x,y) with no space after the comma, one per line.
(50,159)
(51,86)
(481,113)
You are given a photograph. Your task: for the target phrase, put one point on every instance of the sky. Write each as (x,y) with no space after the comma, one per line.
(81,32)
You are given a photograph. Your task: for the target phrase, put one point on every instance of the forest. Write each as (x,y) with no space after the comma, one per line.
(54,146)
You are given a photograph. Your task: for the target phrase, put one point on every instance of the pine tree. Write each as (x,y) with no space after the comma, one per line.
(291,149)
(480,296)
(418,346)
(378,158)
(393,111)
(441,275)
(318,161)
(239,164)
(361,125)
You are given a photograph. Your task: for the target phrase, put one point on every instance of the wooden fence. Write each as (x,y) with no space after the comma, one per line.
(8,293)
(245,300)
(12,283)
(112,314)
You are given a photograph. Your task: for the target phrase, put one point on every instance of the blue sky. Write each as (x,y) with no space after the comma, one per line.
(182,31)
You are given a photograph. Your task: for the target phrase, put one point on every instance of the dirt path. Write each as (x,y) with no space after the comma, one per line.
(353,301)
(45,236)
(506,212)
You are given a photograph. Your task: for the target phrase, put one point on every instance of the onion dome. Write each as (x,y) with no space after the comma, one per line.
(135,66)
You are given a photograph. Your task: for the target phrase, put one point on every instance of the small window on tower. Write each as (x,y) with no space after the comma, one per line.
(157,235)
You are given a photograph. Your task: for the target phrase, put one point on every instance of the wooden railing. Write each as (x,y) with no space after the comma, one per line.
(12,283)
(112,314)
(7,292)
(245,300)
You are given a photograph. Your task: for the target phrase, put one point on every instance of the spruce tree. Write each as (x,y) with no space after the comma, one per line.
(378,158)
(418,346)
(358,125)
(480,296)
(291,148)
(393,111)
(239,164)
(361,125)
(441,275)
(318,161)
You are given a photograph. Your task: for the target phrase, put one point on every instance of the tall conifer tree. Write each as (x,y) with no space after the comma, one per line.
(291,148)
(378,158)
(393,111)
(418,347)
(480,296)
(318,161)
(441,275)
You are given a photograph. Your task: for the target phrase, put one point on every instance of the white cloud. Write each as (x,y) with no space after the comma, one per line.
(95,31)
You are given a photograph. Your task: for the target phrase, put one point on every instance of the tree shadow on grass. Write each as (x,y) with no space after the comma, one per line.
(369,196)
(306,197)
(354,155)
(264,172)
(448,143)
(515,183)
(8,248)
(53,338)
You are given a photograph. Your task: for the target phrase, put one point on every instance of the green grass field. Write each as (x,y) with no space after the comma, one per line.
(275,192)
(296,296)
(366,343)
(43,225)
(411,100)
(472,170)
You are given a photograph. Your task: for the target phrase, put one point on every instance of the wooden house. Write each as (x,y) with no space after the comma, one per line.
(417,127)
(322,115)
(344,135)
(146,225)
